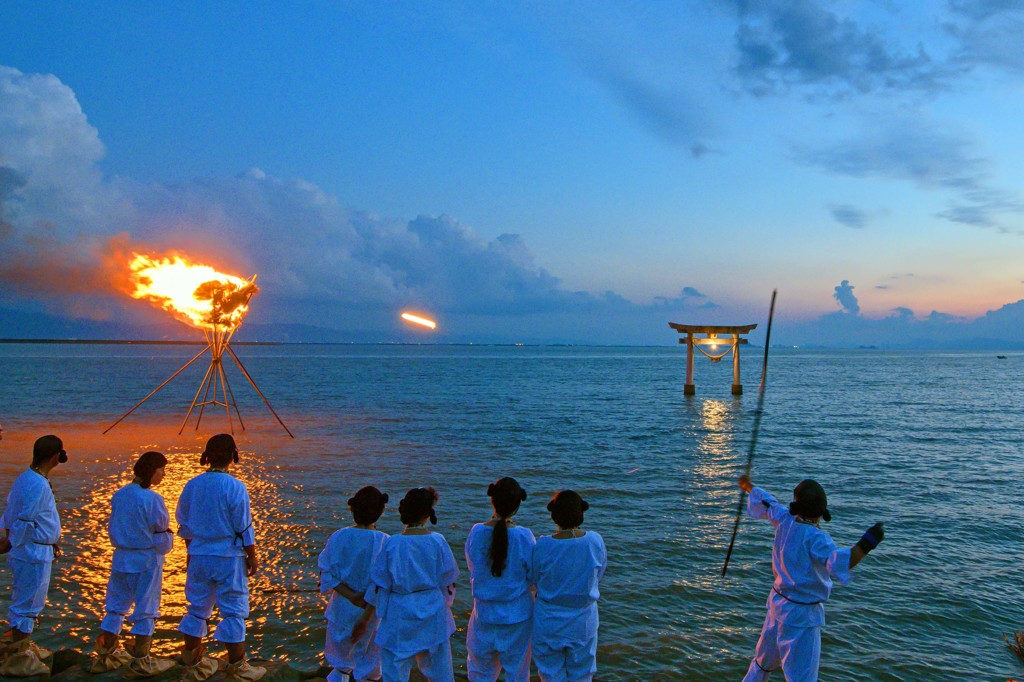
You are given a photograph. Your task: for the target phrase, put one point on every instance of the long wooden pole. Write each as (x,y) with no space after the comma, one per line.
(756,430)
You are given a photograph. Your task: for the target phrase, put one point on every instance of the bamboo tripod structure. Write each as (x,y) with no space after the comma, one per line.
(218,343)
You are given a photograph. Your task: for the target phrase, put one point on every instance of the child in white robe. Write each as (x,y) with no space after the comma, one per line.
(805,560)
(345,573)
(412,587)
(216,523)
(139,531)
(31,540)
(499,556)
(567,567)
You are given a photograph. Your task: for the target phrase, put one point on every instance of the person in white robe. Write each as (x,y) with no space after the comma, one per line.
(139,530)
(31,537)
(805,561)
(567,569)
(215,522)
(412,587)
(345,565)
(499,556)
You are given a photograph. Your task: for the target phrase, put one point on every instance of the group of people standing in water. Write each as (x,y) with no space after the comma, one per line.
(390,597)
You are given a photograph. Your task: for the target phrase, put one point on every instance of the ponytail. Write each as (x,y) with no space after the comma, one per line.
(506,495)
(499,548)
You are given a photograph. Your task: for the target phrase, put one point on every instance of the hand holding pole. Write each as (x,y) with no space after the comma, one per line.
(756,430)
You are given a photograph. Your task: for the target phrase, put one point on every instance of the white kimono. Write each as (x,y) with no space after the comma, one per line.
(804,561)
(213,515)
(347,558)
(412,586)
(139,531)
(33,528)
(565,622)
(501,622)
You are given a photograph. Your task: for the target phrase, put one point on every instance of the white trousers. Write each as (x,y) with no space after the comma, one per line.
(796,650)
(222,581)
(361,659)
(28,593)
(492,646)
(141,589)
(566,664)
(435,664)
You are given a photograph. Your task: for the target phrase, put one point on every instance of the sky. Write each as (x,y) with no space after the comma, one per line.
(524,172)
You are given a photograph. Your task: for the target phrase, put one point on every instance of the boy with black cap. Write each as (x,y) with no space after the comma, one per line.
(31,531)
(804,561)
(216,523)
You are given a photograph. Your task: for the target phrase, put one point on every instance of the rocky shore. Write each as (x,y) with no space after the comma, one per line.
(69,665)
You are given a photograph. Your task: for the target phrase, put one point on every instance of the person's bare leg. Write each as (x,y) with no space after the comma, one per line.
(142,645)
(17,635)
(192,642)
(107,639)
(236,651)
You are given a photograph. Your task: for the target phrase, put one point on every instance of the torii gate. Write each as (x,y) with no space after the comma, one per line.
(713,339)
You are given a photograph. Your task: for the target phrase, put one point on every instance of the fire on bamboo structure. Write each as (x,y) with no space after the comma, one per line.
(211,301)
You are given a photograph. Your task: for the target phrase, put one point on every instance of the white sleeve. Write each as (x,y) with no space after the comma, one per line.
(837,561)
(163,537)
(241,520)
(762,505)
(181,515)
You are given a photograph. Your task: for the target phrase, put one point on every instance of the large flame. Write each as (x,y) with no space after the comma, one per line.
(196,294)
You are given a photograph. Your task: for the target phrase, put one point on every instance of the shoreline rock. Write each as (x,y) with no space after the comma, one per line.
(71,665)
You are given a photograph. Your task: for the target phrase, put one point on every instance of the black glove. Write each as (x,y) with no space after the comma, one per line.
(872,537)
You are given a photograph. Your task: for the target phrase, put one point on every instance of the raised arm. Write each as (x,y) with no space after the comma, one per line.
(872,536)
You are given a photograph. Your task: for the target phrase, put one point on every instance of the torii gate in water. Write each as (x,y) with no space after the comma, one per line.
(715,336)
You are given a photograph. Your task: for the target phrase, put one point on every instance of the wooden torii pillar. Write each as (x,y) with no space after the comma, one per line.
(715,335)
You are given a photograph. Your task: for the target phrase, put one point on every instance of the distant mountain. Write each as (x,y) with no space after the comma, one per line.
(16,324)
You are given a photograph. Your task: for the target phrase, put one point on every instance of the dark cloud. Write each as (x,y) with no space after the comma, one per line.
(882,286)
(851,216)
(786,43)
(845,297)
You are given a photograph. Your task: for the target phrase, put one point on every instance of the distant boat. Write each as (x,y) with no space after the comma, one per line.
(1001,357)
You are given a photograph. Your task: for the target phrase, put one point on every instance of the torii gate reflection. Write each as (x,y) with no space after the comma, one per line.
(716,335)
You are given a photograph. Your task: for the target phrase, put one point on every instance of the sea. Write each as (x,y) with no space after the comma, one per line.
(927,442)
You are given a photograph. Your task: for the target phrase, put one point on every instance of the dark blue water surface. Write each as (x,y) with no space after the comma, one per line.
(927,442)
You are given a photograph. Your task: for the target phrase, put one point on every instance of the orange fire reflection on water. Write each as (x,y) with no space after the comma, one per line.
(83,489)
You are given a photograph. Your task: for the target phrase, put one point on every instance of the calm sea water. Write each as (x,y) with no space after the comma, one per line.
(927,442)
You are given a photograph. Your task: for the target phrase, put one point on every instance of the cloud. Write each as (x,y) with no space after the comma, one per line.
(850,216)
(66,234)
(666,112)
(786,43)
(933,158)
(988,32)
(689,299)
(844,295)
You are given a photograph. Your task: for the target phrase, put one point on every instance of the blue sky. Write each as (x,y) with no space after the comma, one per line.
(580,171)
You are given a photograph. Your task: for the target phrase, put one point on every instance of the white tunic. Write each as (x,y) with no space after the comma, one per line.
(347,558)
(505,599)
(412,586)
(213,514)
(567,573)
(804,561)
(31,518)
(138,529)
